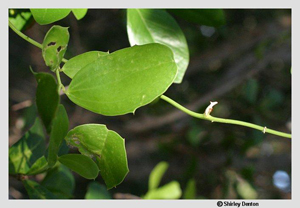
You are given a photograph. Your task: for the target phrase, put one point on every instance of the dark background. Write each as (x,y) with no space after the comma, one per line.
(244,65)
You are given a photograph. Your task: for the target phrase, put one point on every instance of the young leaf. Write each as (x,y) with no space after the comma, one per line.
(36,191)
(157,174)
(24,153)
(97,191)
(107,146)
(157,26)
(59,131)
(125,80)
(55,45)
(171,190)
(47,98)
(47,16)
(80,164)
(60,181)
(79,13)
(190,190)
(39,166)
(209,17)
(19,18)
(78,62)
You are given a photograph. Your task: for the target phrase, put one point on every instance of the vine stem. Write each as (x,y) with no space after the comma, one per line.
(223,120)
(28,39)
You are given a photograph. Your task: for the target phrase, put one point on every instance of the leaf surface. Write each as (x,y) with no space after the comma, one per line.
(97,191)
(47,16)
(79,13)
(20,18)
(157,174)
(36,191)
(171,190)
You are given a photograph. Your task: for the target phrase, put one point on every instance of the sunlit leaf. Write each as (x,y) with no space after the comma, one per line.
(39,166)
(157,174)
(97,191)
(171,190)
(79,13)
(47,16)
(19,17)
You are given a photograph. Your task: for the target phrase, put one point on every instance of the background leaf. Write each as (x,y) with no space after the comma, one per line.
(157,174)
(120,82)
(78,62)
(79,13)
(59,131)
(190,190)
(157,26)
(47,16)
(39,166)
(36,191)
(55,45)
(171,190)
(97,191)
(47,98)
(81,164)
(20,18)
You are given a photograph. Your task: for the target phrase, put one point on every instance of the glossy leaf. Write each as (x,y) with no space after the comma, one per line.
(157,174)
(19,17)
(209,17)
(78,62)
(24,153)
(97,191)
(36,191)
(157,26)
(79,13)
(123,81)
(55,45)
(39,166)
(80,164)
(171,190)
(47,98)
(107,146)
(60,181)
(47,16)
(59,131)
(190,190)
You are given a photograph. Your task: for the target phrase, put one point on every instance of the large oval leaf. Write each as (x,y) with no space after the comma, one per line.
(55,45)
(157,26)
(106,145)
(125,80)
(78,62)
(81,164)
(47,16)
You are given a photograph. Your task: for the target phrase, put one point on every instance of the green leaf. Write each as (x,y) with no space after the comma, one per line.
(171,190)
(55,45)
(157,174)
(78,62)
(245,190)
(209,17)
(59,131)
(80,164)
(60,181)
(97,191)
(19,17)
(47,98)
(190,190)
(24,153)
(47,16)
(39,166)
(79,13)
(36,191)
(107,146)
(157,26)
(123,81)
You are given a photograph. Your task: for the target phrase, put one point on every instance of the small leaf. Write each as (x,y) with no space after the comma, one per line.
(79,13)
(95,140)
(20,18)
(209,17)
(78,62)
(157,26)
(47,98)
(39,166)
(59,131)
(171,190)
(123,81)
(157,174)
(245,190)
(97,191)
(47,16)
(60,181)
(190,190)
(36,191)
(24,153)
(80,164)
(55,45)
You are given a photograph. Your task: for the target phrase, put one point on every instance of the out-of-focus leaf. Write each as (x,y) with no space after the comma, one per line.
(59,131)
(157,174)
(80,164)
(171,190)
(190,190)
(78,62)
(19,17)
(251,91)
(79,13)
(245,190)
(39,166)
(157,26)
(55,45)
(125,80)
(47,16)
(209,17)
(36,191)
(97,191)
(24,153)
